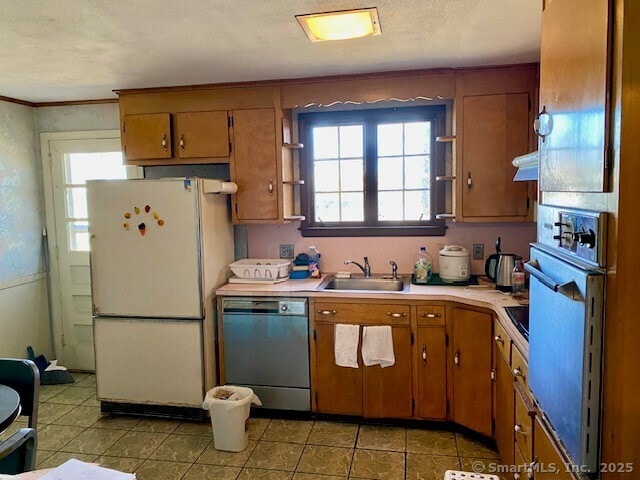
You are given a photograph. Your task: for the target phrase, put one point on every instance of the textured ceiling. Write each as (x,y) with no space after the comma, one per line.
(83,49)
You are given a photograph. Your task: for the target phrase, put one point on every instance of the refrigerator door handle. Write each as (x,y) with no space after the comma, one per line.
(568,289)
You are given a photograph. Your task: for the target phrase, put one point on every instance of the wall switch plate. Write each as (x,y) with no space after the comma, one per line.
(478,251)
(286,250)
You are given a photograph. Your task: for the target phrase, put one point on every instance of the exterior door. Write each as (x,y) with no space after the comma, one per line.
(68,164)
(472,370)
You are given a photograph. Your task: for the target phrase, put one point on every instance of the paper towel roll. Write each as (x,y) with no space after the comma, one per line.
(219,186)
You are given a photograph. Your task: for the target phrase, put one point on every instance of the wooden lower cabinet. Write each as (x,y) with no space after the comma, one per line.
(337,389)
(504,418)
(549,462)
(432,373)
(386,392)
(471,356)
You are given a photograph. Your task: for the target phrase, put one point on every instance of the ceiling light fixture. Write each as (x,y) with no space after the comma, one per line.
(341,25)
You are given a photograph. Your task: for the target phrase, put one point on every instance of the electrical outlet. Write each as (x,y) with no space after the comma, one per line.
(286,250)
(478,251)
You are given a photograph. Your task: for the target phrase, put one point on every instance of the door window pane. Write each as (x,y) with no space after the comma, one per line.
(77,202)
(78,236)
(81,167)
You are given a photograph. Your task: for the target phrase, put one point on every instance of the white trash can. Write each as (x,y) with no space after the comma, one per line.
(229,416)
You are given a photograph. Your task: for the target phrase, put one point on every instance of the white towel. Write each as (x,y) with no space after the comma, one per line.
(377,346)
(345,345)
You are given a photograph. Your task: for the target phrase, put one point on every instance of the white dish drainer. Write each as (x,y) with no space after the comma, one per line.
(261,268)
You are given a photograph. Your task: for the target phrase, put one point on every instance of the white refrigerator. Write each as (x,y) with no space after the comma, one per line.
(159,249)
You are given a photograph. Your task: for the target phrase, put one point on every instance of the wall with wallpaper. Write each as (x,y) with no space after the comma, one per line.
(23,304)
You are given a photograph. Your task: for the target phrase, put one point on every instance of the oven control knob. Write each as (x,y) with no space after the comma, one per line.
(587,239)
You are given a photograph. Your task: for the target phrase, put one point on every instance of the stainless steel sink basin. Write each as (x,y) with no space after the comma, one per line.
(378,284)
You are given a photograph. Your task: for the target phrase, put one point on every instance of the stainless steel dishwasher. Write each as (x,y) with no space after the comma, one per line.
(266,348)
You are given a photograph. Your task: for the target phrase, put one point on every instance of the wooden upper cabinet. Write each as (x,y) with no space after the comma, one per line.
(496,130)
(471,356)
(203,134)
(432,373)
(386,392)
(574,85)
(147,136)
(254,165)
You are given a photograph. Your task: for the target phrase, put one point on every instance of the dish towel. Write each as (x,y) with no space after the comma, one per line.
(377,346)
(345,345)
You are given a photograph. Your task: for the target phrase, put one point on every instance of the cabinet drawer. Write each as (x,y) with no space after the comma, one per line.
(519,367)
(362,314)
(524,426)
(431,315)
(502,341)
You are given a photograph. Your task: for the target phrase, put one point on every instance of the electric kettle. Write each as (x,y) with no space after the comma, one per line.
(499,267)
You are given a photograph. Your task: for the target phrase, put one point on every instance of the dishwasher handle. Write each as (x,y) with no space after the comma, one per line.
(568,289)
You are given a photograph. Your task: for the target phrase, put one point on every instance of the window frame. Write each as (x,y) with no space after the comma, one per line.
(370,118)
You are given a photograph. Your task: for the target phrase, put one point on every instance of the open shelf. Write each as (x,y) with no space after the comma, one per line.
(445,178)
(293,182)
(293,146)
(446,139)
(445,216)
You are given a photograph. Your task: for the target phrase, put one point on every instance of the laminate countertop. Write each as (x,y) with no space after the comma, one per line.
(483,297)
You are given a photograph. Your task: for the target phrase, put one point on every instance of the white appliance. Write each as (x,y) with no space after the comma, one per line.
(454,264)
(159,249)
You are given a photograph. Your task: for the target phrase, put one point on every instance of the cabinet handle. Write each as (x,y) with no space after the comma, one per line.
(431,315)
(182,141)
(469,181)
(543,124)
(327,312)
(456,358)
(424,354)
(396,314)
(493,374)
(271,187)
(517,372)
(498,339)
(518,429)
(516,476)
(164,142)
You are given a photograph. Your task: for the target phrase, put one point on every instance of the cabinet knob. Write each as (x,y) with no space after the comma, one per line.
(456,358)
(424,354)
(517,372)
(493,374)
(431,315)
(469,181)
(498,339)
(182,141)
(164,142)
(327,312)
(271,187)
(396,314)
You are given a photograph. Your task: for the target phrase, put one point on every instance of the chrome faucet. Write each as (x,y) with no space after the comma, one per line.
(366,269)
(394,270)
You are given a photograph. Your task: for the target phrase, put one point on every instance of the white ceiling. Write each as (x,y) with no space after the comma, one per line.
(83,49)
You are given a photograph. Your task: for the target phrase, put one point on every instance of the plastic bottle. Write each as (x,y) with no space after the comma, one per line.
(314,262)
(422,266)
(518,277)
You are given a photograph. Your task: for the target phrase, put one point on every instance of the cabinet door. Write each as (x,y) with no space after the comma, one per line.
(504,417)
(472,370)
(203,134)
(432,373)
(574,81)
(496,129)
(545,454)
(338,389)
(386,392)
(253,164)
(147,136)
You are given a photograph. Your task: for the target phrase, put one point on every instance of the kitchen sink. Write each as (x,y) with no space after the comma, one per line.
(378,284)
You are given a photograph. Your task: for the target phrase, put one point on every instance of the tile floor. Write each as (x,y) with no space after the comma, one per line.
(70,426)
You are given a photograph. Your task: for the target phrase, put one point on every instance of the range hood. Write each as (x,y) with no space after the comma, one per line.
(527,166)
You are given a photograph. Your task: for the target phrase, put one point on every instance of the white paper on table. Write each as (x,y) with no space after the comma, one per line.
(76,470)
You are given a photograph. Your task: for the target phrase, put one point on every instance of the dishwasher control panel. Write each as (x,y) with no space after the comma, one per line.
(292,307)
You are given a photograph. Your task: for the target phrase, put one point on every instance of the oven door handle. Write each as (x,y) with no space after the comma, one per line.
(569,289)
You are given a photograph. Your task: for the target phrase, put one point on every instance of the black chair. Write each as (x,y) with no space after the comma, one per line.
(18,452)
(23,376)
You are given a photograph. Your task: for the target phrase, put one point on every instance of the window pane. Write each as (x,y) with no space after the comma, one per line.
(417,205)
(390,206)
(390,173)
(417,138)
(352,207)
(351,140)
(78,236)
(416,172)
(326,176)
(325,142)
(77,202)
(81,167)
(327,207)
(390,139)
(351,175)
